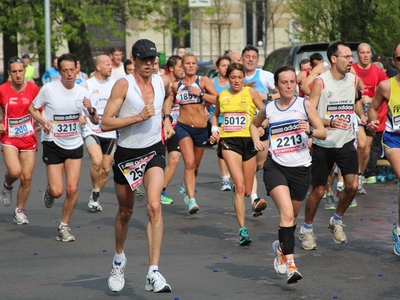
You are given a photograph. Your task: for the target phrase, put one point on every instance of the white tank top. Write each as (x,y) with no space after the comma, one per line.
(146,133)
(288,144)
(337,100)
(99,94)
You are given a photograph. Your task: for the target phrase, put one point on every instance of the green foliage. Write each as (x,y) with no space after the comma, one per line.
(370,21)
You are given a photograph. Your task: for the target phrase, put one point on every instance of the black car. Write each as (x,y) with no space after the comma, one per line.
(292,55)
(206,68)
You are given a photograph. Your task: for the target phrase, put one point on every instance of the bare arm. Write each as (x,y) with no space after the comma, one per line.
(210,94)
(382,93)
(310,79)
(316,121)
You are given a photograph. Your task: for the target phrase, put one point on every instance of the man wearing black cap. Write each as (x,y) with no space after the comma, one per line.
(139,101)
(29,70)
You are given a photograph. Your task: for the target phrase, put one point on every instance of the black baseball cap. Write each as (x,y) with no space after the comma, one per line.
(144,48)
(25,55)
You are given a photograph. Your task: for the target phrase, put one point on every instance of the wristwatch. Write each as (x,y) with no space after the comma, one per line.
(201,94)
(93,112)
(311,131)
(169,117)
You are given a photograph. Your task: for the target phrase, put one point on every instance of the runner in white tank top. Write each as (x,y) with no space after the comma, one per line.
(139,101)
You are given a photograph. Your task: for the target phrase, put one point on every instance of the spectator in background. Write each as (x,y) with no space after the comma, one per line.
(389,70)
(29,70)
(52,73)
(128,67)
(80,76)
(181,51)
(116,63)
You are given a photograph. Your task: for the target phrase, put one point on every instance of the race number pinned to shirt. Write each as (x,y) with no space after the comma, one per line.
(396,123)
(346,111)
(133,169)
(287,138)
(65,125)
(20,127)
(234,121)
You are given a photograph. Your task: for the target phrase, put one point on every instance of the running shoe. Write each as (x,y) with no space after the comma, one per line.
(139,192)
(116,280)
(48,200)
(244,238)
(93,203)
(258,206)
(63,234)
(360,188)
(193,207)
(292,274)
(363,180)
(156,283)
(370,180)
(6,195)
(225,186)
(20,217)
(280,259)
(308,239)
(337,229)
(166,200)
(329,202)
(396,239)
(353,203)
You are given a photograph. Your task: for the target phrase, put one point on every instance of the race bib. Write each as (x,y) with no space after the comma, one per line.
(175,114)
(65,125)
(396,123)
(20,127)
(184,97)
(97,128)
(234,121)
(133,169)
(346,111)
(287,138)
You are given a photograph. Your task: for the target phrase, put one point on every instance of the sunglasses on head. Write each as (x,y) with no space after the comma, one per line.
(15,59)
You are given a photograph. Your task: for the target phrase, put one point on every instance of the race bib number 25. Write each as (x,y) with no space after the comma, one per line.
(133,169)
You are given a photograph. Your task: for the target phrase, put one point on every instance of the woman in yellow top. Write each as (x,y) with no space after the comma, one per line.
(237,105)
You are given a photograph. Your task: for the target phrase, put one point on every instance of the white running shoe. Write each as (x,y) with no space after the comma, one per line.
(20,218)
(116,281)
(280,259)
(156,283)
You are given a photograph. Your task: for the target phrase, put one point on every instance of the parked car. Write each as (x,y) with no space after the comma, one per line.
(292,55)
(206,68)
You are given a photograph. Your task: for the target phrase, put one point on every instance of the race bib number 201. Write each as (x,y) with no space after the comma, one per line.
(133,169)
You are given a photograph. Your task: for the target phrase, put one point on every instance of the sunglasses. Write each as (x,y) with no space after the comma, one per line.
(397,58)
(15,59)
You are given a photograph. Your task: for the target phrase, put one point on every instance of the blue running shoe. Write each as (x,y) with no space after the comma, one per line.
(396,239)
(244,238)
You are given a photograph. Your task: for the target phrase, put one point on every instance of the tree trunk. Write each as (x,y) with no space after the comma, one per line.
(10,49)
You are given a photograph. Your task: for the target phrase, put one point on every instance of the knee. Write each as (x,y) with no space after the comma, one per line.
(72,190)
(26,179)
(173,161)
(105,172)
(239,188)
(288,217)
(319,191)
(56,192)
(125,214)
(154,210)
(96,164)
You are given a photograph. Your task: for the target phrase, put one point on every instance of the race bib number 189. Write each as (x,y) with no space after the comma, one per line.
(133,169)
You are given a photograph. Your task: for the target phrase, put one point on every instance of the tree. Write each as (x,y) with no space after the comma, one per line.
(369,21)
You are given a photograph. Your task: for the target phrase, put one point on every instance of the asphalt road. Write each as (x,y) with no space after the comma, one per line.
(201,258)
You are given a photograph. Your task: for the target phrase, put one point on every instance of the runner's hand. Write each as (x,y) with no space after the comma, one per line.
(148,111)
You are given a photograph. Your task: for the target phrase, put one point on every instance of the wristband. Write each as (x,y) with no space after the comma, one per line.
(93,112)
(214,129)
(142,116)
(331,123)
(270,97)
(169,117)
